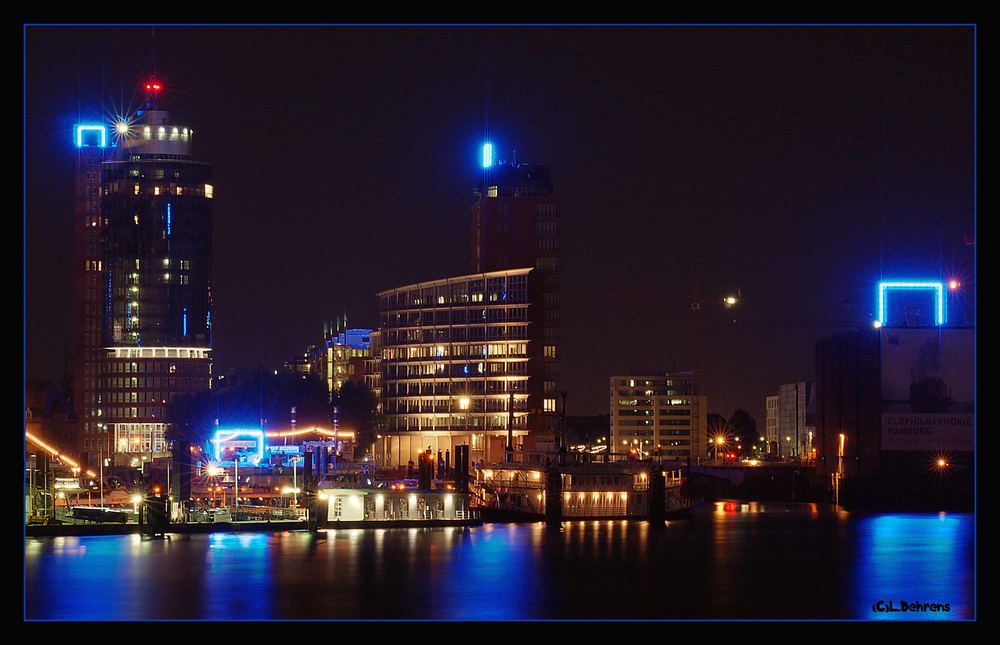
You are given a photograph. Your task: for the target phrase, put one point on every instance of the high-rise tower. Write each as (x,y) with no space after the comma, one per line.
(518,227)
(91,144)
(155,279)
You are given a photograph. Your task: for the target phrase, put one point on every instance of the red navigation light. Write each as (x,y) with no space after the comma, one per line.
(153,86)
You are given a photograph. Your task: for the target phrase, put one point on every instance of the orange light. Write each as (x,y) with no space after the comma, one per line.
(156,489)
(954,284)
(941,463)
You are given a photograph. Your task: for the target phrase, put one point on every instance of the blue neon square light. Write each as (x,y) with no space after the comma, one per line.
(230,434)
(81,128)
(936,287)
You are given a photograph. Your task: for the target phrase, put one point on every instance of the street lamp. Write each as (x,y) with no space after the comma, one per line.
(720,440)
(295,482)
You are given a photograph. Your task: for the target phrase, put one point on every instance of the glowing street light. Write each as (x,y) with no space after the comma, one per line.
(942,463)
(954,285)
(730,301)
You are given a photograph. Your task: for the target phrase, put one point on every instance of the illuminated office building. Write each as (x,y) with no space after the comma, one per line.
(91,143)
(453,354)
(658,414)
(519,227)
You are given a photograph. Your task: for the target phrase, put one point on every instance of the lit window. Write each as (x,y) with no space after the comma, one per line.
(209,191)
(550,405)
(156,190)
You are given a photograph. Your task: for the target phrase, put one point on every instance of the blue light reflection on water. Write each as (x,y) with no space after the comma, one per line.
(733,562)
(491,575)
(86,573)
(914,558)
(237,576)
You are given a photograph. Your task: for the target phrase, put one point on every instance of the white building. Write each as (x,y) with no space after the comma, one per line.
(771,425)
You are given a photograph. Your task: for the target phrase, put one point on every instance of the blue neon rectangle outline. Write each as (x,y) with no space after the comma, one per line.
(937,287)
(80,128)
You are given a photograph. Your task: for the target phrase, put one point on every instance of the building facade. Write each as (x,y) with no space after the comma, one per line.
(893,402)
(796,419)
(91,144)
(517,225)
(155,278)
(771,424)
(455,354)
(658,415)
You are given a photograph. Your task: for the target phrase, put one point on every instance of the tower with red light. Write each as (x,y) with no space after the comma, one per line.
(146,305)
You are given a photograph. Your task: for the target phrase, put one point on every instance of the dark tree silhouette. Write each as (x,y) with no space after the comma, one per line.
(357,412)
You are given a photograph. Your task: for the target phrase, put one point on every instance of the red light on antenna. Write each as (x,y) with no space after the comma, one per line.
(153,86)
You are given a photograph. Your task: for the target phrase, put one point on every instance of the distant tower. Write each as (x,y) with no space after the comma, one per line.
(91,141)
(518,228)
(156,265)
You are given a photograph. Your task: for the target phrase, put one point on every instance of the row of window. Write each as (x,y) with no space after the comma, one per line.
(428,318)
(498,422)
(457,388)
(455,334)
(155,382)
(454,351)
(153,367)
(134,413)
(455,370)
(473,405)
(649,422)
(509,289)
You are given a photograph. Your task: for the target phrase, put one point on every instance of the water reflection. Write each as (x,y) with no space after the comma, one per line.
(914,559)
(731,560)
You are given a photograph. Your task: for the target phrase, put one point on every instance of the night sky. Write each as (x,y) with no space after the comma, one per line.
(794,164)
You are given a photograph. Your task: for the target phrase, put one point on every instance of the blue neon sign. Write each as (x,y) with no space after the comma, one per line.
(936,287)
(168,218)
(235,434)
(487,155)
(80,128)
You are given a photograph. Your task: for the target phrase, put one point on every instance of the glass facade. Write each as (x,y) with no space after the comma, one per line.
(454,354)
(155,288)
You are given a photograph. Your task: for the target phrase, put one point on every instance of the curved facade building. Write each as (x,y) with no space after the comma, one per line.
(455,353)
(156,241)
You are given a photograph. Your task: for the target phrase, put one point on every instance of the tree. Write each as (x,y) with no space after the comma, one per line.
(744,429)
(357,411)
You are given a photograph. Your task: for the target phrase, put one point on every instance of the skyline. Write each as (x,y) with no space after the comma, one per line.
(925,200)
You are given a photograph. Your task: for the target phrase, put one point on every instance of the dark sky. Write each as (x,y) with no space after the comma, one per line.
(795,164)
